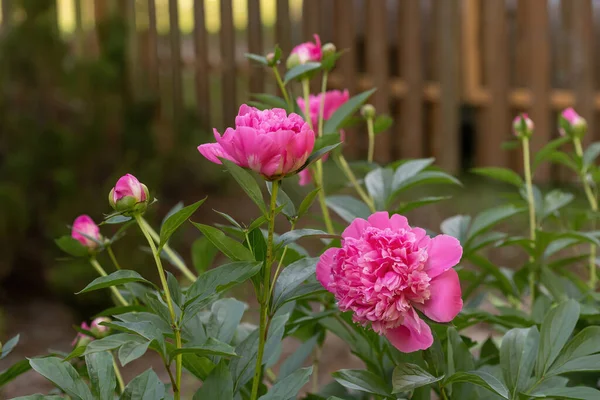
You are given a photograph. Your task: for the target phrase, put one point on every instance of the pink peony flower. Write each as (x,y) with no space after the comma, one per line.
(128,185)
(385,269)
(85,230)
(309,51)
(269,142)
(333,100)
(81,337)
(518,129)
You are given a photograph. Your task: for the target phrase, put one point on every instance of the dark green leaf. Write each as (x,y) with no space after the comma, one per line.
(218,384)
(298,357)
(310,288)
(200,367)
(292,236)
(348,208)
(423,201)
(228,246)
(271,100)
(407,377)
(258,244)
(307,202)
(408,170)
(111,342)
(554,333)
(15,370)
(247,183)
(258,58)
(212,347)
(585,343)
(288,387)
(591,153)
(173,222)
(146,386)
(203,254)
(378,183)
(120,277)
(8,346)
(39,397)
(222,278)
(382,123)
(117,219)
(544,153)
(63,375)
(175,289)
(334,123)
(425,177)
(145,329)
(555,200)
(459,358)
(490,217)
(482,379)
(300,70)
(109,312)
(518,353)
(72,246)
(501,174)
(317,155)
(102,375)
(363,380)
(131,351)
(457,226)
(567,393)
(291,277)
(283,200)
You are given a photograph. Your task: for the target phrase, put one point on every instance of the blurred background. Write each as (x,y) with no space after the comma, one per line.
(92,89)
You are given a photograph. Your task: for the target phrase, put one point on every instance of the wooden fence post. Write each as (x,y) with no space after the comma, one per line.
(228,66)
(201,65)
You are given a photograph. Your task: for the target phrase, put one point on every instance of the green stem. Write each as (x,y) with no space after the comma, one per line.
(102,272)
(352,178)
(318,176)
(315,371)
(169,301)
(531,205)
(371,132)
(284,91)
(322,103)
(167,249)
(266,295)
(278,270)
(594,206)
(443,392)
(111,254)
(118,375)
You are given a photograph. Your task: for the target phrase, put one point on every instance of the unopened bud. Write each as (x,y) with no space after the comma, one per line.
(571,124)
(328,49)
(271,61)
(100,330)
(368,111)
(292,61)
(129,195)
(523,126)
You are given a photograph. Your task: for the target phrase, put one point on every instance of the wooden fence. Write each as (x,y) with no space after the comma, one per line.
(452,73)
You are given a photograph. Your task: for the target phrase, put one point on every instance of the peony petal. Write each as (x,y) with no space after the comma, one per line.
(446,301)
(380,220)
(354,230)
(305,177)
(213,151)
(324,266)
(398,222)
(414,334)
(444,253)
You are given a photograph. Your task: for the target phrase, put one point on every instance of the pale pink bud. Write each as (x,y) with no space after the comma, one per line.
(100,330)
(269,142)
(86,231)
(308,51)
(127,193)
(523,126)
(572,124)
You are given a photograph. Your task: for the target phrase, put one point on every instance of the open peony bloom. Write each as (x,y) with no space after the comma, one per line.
(571,123)
(385,269)
(309,51)
(333,100)
(85,230)
(269,142)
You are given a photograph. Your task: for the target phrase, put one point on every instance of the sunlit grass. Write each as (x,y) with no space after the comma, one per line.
(67,19)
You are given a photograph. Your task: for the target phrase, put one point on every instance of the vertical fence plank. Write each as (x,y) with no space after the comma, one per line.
(446,140)
(80,40)
(6,13)
(345,39)
(409,36)
(228,72)
(377,67)
(497,127)
(471,54)
(582,61)
(539,78)
(133,67)
(310,18)
(257,77)
(283,26)
(152,49)
(175,44)
(201,64)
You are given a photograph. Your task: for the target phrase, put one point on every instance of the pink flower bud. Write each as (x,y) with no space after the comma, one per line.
(523,126)
(308,51)
(269,142)
(82,339)
(86,231)
(127,193)
(100,330)
(571,124)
